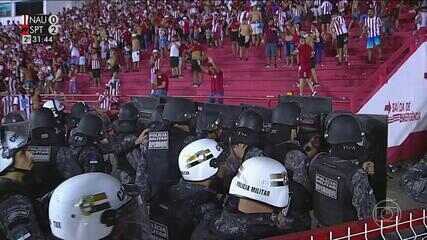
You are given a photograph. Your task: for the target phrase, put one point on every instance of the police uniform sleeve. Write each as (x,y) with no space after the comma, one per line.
(414,182)
(65,164)
(17,219)
(118,147)
(141,179)
(363,195)
(297,162)
(134,223)
(244,226)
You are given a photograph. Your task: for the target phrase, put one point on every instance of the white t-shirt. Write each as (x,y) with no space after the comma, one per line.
(174,52)
(75,52)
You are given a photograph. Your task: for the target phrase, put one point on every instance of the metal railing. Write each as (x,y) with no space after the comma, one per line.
(406,224)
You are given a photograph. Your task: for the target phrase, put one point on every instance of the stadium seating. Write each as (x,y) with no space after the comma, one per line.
(251,78)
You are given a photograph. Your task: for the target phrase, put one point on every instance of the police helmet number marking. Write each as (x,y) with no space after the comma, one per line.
(279,179)
(121,194)
(94,203)
(199,157)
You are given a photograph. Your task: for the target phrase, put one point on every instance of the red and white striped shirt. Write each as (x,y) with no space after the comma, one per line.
(243,16)
(326,8)
(105,101)
(373,26)
(95,63)
(114,87)
(117,35)
(296,11)
(339,25)
(25,103)
(8,102)
(282,17)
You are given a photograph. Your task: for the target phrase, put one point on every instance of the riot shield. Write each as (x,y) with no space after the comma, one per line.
(164,100)
(146,106)
(376,130)
(313,113)
(264,112)
(310,105)
(229,113)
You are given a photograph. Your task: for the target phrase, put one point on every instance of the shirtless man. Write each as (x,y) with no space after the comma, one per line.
(244,39)
(255,18)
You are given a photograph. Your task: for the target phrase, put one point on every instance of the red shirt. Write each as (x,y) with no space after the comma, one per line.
(163,78)
(197,47)
(271,35)
(235,26)
(217,82)
(182,49)
(304,54)
(186,27)
(127,37)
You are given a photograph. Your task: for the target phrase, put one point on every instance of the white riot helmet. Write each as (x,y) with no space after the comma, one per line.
(198,160)
(55,106)
(85,206)
(13,137)
(262,179)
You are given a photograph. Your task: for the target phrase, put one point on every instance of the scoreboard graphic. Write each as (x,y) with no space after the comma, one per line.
(39,28)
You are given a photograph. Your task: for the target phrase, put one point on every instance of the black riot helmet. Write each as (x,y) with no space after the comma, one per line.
(287,113)
(42,118)
(343,128)
(156,115)
(12,117)
(90,126)
(244,136)
(208,121)
(78,110)
(106,121)
(128,112)
(179,110)
(251,120)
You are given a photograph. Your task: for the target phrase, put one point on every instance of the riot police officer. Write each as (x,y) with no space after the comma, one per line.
(414,181)
(284,124)
(127,130)
(44,130)
(209,125)
(341,190)
(165,142)
(263,197)
(83,155)
(44,143)
(61,117)
(243,145)
(94,206)
(193,198)
(18,215)
(77,112)
(284,148)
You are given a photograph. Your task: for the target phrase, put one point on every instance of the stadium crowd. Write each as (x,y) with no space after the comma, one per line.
(119,36)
